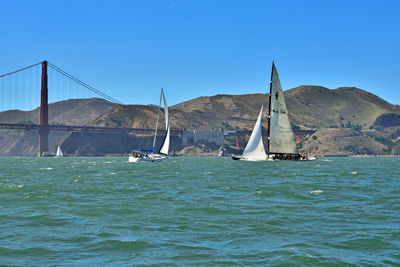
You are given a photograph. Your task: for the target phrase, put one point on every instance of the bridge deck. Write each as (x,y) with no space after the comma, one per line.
(83,128)
(117,129)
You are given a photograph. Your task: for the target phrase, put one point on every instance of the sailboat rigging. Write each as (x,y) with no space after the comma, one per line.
(148,154)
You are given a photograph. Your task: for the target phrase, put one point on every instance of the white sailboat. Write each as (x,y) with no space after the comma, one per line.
(254,150)
(59,153)
(148,154)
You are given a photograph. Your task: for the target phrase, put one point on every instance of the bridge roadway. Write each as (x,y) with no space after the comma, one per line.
(120,129)
(84,128)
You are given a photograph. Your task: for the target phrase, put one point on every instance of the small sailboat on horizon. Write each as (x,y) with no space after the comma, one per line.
(59,153)
(148,154)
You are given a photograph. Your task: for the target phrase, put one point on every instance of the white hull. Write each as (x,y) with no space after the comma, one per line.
(311,158)
(148,158)
(256,160)
(250,159)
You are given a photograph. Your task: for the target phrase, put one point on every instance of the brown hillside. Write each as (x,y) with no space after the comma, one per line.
(318,106)
(308,106)
(220,111)
(342,141)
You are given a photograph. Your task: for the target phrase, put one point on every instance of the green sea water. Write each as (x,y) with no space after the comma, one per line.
(199,211)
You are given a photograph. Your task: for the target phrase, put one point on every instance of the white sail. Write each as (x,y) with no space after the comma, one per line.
(255,148)
(281,136)
(59,152)
(165,145)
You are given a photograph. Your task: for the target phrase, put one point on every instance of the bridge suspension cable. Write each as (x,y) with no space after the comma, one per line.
(105,96)
(7,74)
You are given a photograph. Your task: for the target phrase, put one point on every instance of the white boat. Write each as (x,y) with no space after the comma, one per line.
(254,150)
(59,153)
(148,154)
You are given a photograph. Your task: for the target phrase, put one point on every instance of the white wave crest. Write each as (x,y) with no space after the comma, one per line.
(316,192)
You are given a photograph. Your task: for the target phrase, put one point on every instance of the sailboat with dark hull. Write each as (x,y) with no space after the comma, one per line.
(281,139)
(281,143)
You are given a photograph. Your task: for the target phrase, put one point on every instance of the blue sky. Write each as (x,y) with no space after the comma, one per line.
(130,49)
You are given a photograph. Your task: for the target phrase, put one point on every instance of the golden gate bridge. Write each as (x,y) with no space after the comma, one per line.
(25,85)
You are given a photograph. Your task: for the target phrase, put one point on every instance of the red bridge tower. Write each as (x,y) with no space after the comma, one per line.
(44,113)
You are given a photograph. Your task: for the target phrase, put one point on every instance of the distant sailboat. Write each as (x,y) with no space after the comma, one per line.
(59,153)
(254,150)
(148,154)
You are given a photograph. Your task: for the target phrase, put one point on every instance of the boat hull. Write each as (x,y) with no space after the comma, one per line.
(274,158)
(247,159)
(282,157)
(147,158)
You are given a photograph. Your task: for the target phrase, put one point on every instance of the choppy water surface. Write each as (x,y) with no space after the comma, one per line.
(199,211)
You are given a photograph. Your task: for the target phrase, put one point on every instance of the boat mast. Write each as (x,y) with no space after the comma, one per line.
(158,116)
(269,109)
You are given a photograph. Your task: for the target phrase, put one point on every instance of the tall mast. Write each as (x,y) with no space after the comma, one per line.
(158,116)
(269,109)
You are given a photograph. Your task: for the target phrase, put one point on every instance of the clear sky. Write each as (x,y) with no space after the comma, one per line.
(130,49)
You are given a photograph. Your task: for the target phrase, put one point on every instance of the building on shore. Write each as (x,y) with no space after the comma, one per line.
(192,137)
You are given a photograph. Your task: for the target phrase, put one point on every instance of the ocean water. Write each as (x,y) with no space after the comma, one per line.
(199,211)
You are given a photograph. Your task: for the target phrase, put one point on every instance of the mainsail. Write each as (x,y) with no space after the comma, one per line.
(281,136)
(255,149)
(165,145)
